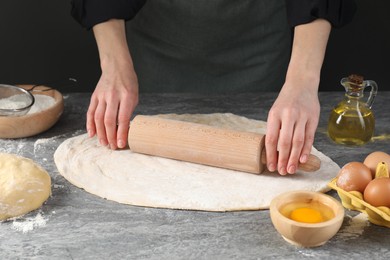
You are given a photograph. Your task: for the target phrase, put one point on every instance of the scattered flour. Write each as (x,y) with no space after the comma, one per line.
(354,228)
(307,253)
(58,186)
(43,143)
(46,143)
(13,146)
(28,224)
(19,101)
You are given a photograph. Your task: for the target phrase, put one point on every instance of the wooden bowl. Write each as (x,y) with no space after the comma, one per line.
(300,233)
(35,123)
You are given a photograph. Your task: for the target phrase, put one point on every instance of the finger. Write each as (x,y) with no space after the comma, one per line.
(296,149)
(99,123)
(110,122)
(271,142)
(91,128)
(125,111)
(284,146)
(310,130)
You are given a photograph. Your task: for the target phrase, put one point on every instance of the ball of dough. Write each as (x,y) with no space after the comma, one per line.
(24,186)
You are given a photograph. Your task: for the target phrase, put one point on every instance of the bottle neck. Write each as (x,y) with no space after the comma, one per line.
(354,92)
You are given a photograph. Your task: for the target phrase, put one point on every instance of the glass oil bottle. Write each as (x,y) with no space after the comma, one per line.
(352,122)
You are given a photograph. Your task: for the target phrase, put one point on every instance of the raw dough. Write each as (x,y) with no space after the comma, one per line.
(150,181)
(24,186)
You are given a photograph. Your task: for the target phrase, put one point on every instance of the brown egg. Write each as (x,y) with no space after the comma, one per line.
(377,192)
(374,158)
(354,176)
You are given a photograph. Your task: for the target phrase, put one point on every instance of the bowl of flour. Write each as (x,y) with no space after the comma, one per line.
(45,111)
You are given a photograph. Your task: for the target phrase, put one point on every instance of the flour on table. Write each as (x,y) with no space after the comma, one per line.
(12,146)
(355,227)
(28,224)
(143,180)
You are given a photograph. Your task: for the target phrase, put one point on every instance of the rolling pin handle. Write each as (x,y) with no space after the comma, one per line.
(313,162)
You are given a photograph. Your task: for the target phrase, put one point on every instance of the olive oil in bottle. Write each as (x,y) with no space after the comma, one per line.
(349,126)
(352,122)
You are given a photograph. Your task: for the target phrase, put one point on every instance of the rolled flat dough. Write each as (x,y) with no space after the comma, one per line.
(150,181)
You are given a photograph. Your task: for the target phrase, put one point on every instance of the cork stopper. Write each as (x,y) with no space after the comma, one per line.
(355,83)
(356,79)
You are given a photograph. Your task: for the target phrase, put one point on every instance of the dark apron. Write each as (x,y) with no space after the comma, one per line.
(210,46)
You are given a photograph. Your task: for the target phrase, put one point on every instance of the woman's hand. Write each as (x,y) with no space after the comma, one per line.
(116,94)
(112,104)
(293,118)
(291,125)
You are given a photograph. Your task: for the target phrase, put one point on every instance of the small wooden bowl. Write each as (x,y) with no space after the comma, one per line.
(306,234)
(35,123)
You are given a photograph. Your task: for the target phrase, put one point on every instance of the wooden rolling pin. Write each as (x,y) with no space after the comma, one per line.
(202,144)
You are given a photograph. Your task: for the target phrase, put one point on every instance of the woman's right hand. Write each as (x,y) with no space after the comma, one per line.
(116,94)
(112,104)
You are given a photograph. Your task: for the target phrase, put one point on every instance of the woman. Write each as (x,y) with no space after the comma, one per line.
(218,46)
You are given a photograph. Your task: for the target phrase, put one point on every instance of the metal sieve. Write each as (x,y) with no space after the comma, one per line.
(14,100)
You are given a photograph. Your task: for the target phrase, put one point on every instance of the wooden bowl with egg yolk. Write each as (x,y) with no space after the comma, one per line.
(33,123)
(306,218)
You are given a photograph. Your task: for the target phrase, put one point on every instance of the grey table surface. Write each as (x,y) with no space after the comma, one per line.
(77,225)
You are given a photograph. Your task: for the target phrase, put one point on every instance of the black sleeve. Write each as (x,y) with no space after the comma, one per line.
(91,12)
(337,12)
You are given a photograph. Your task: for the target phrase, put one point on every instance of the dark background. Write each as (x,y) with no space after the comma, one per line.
(40,42)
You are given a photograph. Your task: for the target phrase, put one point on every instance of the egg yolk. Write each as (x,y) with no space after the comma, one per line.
(306,215)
